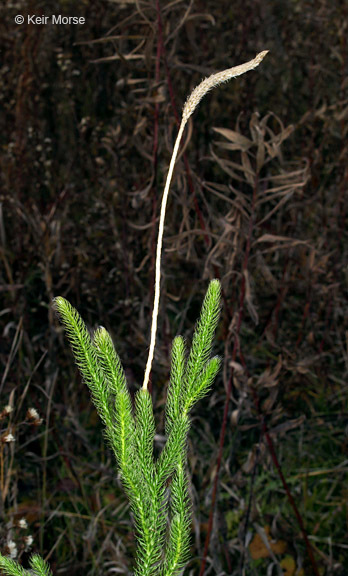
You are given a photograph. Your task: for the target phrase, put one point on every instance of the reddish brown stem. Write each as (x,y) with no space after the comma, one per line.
(274,315)
(285,485)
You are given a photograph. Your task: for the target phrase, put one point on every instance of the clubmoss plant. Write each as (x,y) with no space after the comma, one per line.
(161,513)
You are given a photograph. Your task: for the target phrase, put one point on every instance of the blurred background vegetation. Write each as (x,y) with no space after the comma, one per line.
(88,119)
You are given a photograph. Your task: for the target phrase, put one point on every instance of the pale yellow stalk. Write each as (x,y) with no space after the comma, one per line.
(190,106)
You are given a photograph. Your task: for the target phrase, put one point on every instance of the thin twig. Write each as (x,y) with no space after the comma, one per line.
(191,104)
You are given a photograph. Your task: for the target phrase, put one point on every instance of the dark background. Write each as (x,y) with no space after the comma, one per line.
(88,119)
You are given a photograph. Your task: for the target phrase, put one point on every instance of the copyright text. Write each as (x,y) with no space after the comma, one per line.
(54,19)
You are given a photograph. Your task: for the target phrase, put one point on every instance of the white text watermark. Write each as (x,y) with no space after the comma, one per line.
(55,19)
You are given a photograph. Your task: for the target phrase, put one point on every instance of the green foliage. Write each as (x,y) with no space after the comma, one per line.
(179,532)
(161,515)
(12,568)
(200,373)
(38,567)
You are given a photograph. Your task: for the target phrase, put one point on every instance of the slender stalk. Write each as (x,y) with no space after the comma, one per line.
(191,104)
(158,256)
(187,167)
